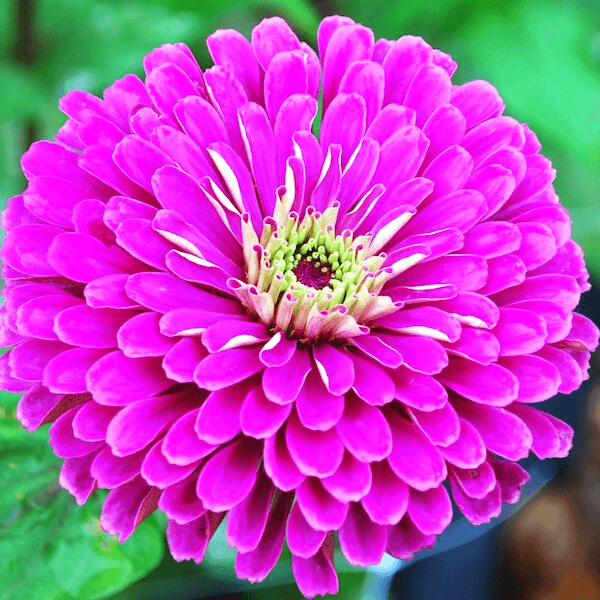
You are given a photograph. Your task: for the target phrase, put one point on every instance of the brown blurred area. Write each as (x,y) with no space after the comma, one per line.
(551,549)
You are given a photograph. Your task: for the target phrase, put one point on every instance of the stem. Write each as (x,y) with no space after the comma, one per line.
(24,50)
(25,53)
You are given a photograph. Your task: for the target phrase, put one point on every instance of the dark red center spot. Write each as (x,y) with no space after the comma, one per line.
(310,274)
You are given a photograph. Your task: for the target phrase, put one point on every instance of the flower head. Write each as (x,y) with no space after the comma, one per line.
(225,313)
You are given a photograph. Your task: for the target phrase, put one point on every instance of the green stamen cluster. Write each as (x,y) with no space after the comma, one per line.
(308,281)
(314,241)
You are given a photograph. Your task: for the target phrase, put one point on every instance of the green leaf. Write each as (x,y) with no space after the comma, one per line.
(539,55)
(49,547)
(21,95)
(11,147)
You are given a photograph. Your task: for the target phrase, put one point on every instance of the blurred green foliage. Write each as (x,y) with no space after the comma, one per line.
(544,57)
(50,548)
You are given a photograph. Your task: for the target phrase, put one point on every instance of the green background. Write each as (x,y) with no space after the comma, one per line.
(542,55)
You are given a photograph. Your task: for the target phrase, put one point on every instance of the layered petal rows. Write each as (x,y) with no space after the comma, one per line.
(316,334)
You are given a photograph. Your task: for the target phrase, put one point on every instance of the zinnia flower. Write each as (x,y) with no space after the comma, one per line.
(226,313)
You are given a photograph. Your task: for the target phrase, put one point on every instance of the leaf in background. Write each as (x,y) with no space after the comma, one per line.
(539,55)
(301,14)
(21,96)
(109,41)
(402,17)
(49,547)
(11,147)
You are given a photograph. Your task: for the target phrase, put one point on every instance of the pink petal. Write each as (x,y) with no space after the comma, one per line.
(427,321)
(317,408)
(401,65)
(26,249)
(538,379)
(125,435)
(477,345)
(91,422)
(410,441)
(468,451)
(141,336)
(420,354)
(476,483)
(405,539)
(279,465)
(258,563)
(492,238)
(188,541)
(362,541)
(317,453)
(351,481)
(487,384)
(181,360)
(66,372)
(477,100)
(419,391)
(503,433)
(219,417)
(63,440)
(302,539)
(375,347)
(348,44)
(430,511)
(315,576)
(229,475)
(180,502)
(118,380)
(570,372)
(259,417)
(246,522)
(511,477)
(233,334)
(387,499)
(76,479)
(181,445)
(477,511)
(366,373)
(35,318)
(321,510)
(441,426)
(278,351)
(127,506)
(287,74)
(231,50)
(336,368)
(226,368)
(83,258)
(429,89)
(108,292)
(90,327)
(159,472)
(364,431)
(111,471)
(283,384)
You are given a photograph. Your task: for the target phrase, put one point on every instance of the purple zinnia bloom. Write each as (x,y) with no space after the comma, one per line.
(226,314)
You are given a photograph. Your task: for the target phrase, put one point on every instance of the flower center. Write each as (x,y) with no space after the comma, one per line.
(307,280)
(311,273)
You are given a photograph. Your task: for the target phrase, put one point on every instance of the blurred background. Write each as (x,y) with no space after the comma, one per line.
(544,57)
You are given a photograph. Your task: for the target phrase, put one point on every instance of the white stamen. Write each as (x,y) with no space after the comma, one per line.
(389,230)
(197,260)
(471,321)
(406,263)
(425,332)
(229,177)
(240,340)
(273,342)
